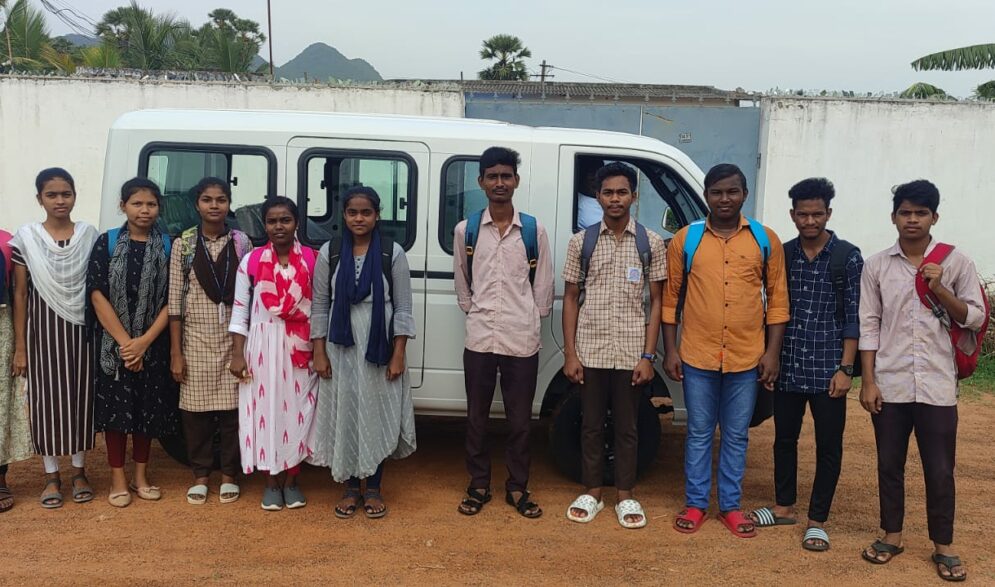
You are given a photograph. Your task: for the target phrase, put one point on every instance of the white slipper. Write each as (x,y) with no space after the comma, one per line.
(231,490)
(197,494)
(588,504)
(630,507)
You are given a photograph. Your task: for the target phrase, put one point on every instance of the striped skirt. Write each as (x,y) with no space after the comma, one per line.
(60,381)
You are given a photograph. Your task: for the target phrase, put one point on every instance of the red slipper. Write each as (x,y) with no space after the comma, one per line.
(734,519)
(696,516)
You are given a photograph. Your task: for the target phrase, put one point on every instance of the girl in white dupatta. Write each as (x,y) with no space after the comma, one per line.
(51,346)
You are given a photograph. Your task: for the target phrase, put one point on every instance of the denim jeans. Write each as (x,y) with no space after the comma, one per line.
(724,399)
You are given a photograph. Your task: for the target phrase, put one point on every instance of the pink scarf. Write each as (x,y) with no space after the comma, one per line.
(287,295)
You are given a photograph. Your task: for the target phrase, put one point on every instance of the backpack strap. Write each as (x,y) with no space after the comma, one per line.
(939,253)
(186,245)
(789,260)
(644,249)
(530,238)
(591,235)
(695,232)
(763,241)
(470,242)
(112,238)
(387,263)
(837,271)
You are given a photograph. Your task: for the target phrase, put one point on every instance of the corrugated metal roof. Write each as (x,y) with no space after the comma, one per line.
(598,90)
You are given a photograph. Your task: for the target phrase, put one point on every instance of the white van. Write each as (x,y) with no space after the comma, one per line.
(425,170)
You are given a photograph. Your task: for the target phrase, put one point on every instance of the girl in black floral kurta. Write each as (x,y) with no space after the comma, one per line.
(135,394)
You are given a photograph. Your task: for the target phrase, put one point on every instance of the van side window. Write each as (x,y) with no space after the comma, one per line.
(665,204)
(326,175)
(461,196)
(177,169)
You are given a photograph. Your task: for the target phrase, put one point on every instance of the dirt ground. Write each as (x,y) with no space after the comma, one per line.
(424,540)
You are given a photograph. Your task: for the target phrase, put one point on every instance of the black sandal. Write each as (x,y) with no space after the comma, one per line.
(525,507)
(879,547)
(350,510)
(372,513)
(474,501)
(949,562)
(6,499)
(83,493)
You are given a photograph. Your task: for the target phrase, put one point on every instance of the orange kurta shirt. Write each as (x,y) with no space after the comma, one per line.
(723,320)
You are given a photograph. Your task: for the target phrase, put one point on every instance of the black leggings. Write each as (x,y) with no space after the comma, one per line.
(372,482)
(3,470)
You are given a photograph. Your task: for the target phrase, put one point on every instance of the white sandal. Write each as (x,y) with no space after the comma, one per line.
(588,504)
(197,494)
(231,490)
(630,507)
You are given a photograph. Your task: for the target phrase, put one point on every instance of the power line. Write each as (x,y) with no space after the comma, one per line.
(71,19)
(592,76)
(78,13)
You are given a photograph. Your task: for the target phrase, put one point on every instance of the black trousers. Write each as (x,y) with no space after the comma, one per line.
(936,435)
(829,415)
(518,390)
(604,387)
(199,429)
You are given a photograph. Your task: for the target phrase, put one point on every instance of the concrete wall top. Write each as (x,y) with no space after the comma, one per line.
(63,122)
(868,146)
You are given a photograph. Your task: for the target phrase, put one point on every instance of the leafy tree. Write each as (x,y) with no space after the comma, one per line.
(923,91)
(508,53)
(28,37)
(102,56)
(973,57)
(146,40)
(228,43)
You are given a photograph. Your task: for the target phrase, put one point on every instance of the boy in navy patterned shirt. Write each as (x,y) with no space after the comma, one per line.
(817,358)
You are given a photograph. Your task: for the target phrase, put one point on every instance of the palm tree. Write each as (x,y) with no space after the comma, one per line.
(28,37)
(102,56)
(227,43)
(973,57)
(924,91)
(507,52)
(147,40)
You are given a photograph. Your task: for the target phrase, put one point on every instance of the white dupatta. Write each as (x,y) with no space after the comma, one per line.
(58,273)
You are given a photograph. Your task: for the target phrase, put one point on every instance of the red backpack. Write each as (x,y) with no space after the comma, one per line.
(966,363)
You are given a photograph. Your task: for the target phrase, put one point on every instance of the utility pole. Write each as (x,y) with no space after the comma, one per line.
(269,21)
(542,75)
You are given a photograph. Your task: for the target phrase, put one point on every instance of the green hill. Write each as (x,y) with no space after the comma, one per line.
(321,62)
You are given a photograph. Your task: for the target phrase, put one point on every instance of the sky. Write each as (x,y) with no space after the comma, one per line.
(858,45)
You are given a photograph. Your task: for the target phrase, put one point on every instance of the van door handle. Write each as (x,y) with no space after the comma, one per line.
(402,203)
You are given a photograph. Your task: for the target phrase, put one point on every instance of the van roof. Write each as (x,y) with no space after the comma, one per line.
(302,123)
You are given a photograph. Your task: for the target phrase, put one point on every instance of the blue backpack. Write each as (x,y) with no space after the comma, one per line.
(112,238)
(696,231)
(530,238)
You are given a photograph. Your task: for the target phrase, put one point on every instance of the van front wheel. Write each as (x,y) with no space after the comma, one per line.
(565,431)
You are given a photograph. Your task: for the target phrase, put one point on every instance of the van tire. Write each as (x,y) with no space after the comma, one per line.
(564,438)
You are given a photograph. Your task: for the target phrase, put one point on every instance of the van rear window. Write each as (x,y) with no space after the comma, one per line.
(177,168)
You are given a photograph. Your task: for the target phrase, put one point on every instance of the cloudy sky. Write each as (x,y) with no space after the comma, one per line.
(859,45)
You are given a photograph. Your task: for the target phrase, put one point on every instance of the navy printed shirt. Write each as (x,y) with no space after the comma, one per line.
(813,342)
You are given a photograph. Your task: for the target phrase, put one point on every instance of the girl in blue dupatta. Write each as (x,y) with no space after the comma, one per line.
(365,412)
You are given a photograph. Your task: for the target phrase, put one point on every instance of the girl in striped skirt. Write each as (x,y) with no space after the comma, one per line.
(51,345)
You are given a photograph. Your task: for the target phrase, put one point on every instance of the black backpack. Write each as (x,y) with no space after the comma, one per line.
(837,272)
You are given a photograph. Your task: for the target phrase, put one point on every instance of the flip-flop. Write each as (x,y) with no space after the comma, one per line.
(370,512)
(587,503)
(765,518)
(882,548)
(81,494)
(53,499)
(942,560)
(734,519)
(350,511)
(229,493)
(197,495)
(815,533)
(694,515)
(630,507)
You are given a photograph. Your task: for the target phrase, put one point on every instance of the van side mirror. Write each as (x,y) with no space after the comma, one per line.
(669,222)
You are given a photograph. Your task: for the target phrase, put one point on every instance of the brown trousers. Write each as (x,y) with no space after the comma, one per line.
(199,429)
(604,387)
(936,435)
(518,390)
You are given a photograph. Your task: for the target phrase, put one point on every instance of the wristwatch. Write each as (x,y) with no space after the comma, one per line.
(649,357)
(847,370)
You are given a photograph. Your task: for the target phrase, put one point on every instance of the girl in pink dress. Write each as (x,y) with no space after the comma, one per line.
(271,356)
